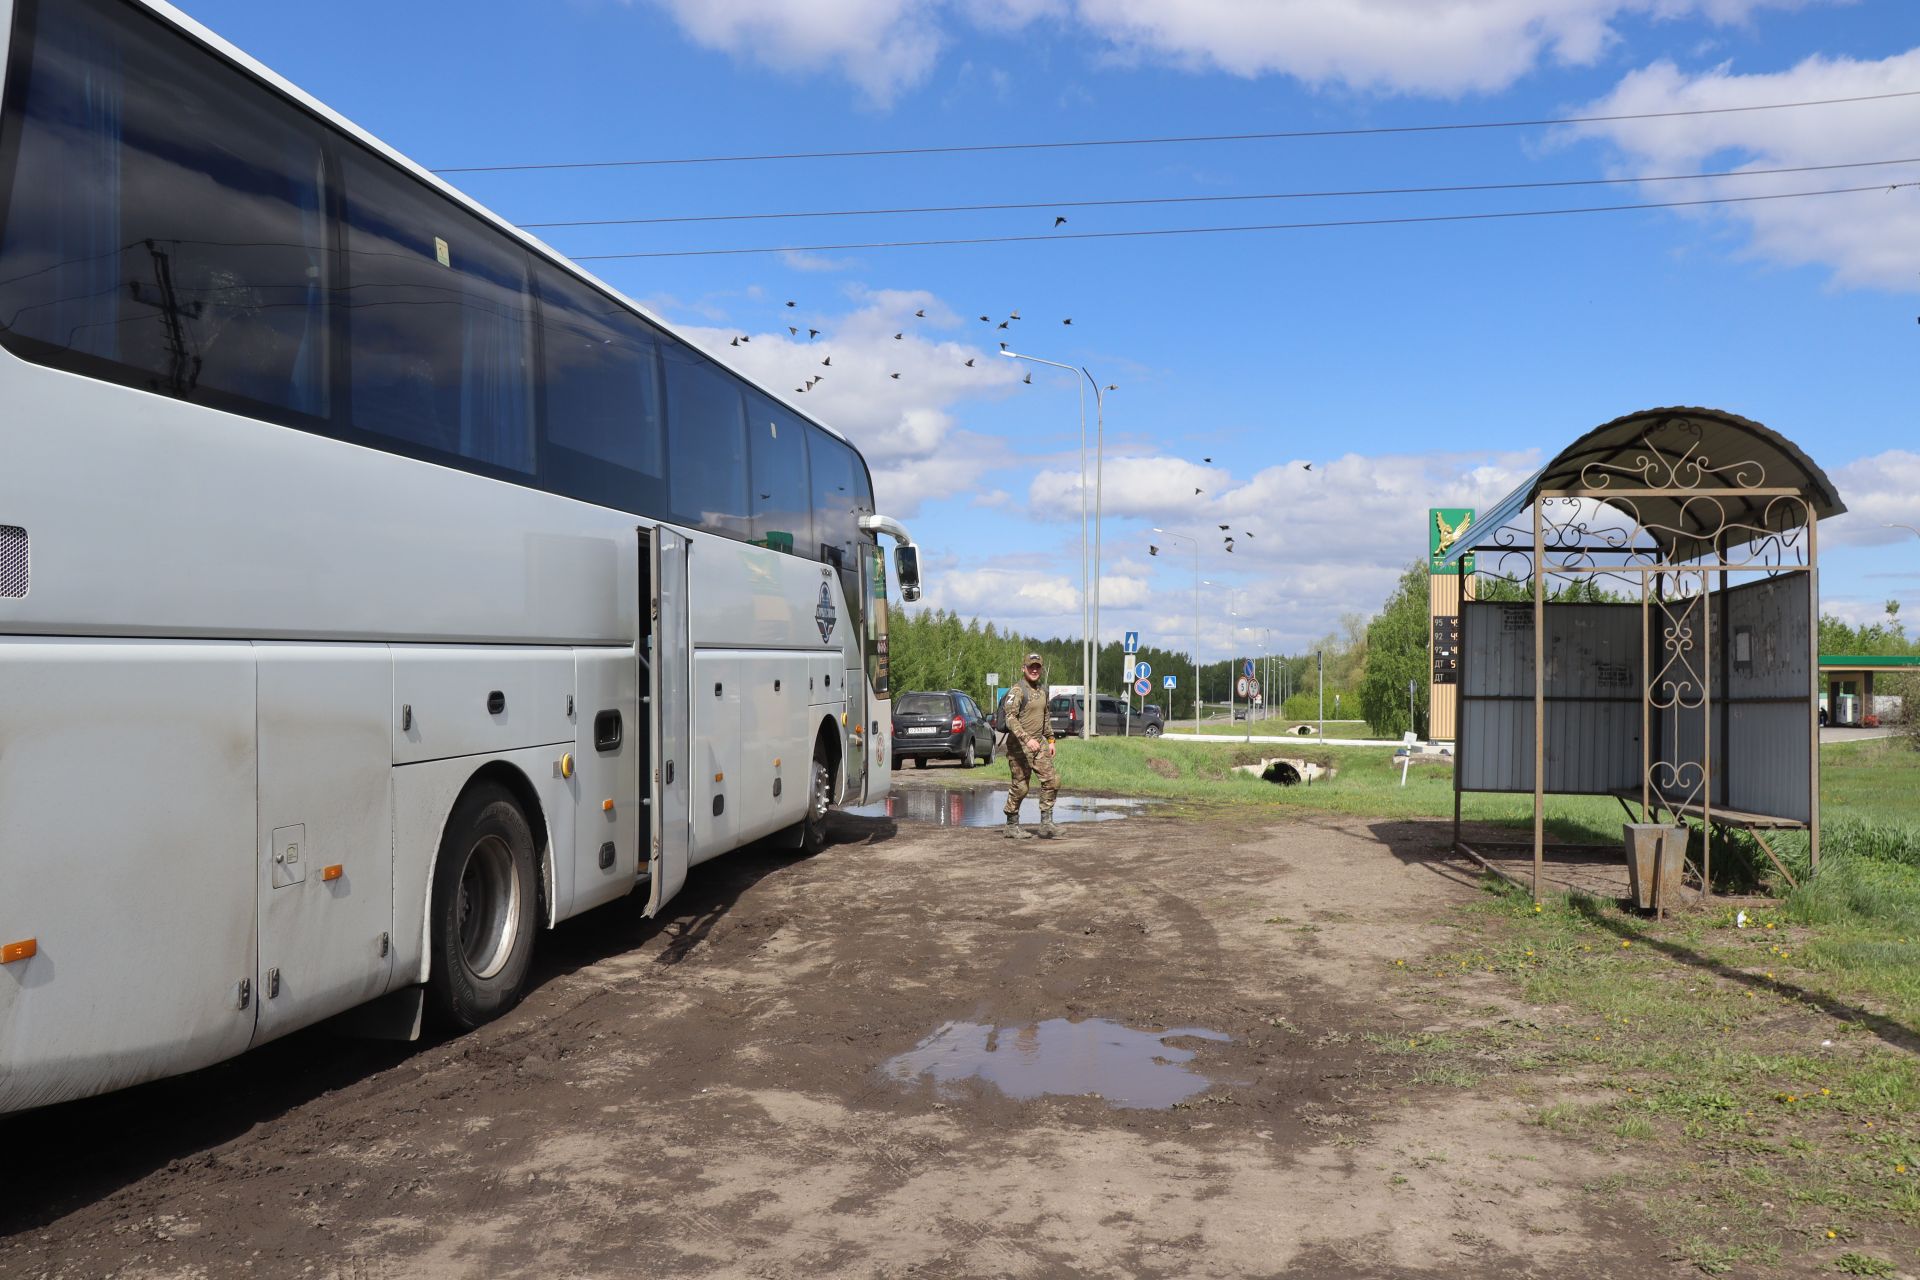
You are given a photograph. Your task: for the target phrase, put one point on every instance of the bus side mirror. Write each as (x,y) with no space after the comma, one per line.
(906,567)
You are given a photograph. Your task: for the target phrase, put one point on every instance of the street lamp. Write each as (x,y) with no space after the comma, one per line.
(1909,528)
(1196,616)
(1089,603)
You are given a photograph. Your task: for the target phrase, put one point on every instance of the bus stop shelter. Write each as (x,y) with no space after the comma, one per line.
(1648,630)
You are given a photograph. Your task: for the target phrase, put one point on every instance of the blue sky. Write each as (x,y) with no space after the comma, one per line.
(1412,365)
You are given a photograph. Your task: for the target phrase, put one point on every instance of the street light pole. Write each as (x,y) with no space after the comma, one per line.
(1196,616)
(1089,695)
(1320,659)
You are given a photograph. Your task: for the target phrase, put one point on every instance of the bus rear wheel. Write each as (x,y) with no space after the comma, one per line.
(485,896)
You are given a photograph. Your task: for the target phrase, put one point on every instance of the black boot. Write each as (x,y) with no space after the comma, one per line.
(1015,831)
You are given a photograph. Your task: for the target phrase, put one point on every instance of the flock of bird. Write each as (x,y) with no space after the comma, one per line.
(793,330)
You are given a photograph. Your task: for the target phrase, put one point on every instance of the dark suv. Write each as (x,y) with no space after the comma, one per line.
(1066,709)
(947,724)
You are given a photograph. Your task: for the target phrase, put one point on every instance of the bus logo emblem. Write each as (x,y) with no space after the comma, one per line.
(824,615)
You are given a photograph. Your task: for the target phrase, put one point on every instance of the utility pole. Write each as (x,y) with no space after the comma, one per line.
(1320,657)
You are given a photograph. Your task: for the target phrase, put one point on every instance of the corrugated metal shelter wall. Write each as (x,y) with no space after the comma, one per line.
(1762,687)
(1593,698)
(1763,758)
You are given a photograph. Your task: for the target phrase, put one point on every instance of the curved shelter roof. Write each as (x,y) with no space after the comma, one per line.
(1692,479)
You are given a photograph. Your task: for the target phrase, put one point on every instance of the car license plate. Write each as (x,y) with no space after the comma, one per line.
(926,729)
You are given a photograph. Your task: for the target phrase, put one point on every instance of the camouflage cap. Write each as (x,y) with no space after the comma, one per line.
(1033,658)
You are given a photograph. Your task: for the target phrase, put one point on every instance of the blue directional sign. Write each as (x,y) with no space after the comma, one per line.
(1133,642)
(1246,668)
(1167,682)
(1143,686)
(1141,670)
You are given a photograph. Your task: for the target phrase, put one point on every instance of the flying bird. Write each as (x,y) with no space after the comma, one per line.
(1059,220)
(1306,466)
(789,303)
(898,336)
(745,337)
(813,333)
(969,364)
(827,361)
(894,376)
(1028,379)
(1003,346)
(1014,316)
(792,330)
(1227,526)
(1197,492)
(984,319)
(1245,534)
(1152,550)
(922,314)
(1003,324)
(1068,320)
(1206,459)
(734,343)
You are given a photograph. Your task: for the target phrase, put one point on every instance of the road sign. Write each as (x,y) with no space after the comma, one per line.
(1246,667)
(1143,686)
(1126,664)
(1133,642)
(1142,670)
(1240,686)
(993,679)
(1253,688)
(1167,682)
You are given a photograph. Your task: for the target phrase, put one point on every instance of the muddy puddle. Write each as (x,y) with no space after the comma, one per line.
(1121,1065)
(987,807)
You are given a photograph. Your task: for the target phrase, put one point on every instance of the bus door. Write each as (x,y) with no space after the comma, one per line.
(667,682)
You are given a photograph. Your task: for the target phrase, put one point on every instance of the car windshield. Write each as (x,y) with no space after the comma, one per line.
(922,704)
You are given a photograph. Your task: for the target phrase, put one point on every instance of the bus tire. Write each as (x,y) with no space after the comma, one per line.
(486,891)
(813,827)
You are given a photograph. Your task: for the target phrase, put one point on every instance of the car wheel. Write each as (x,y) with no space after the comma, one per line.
(967,755)
(919,762)
(486,889)
(1154,731)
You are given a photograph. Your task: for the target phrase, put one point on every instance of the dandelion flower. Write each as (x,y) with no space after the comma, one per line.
(1826,1093)
(1536,908)
(1899,1168)
(1769,924)
(1833,1235)
(1624,944)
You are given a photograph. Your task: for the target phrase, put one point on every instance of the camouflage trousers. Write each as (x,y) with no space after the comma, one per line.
(1023,767)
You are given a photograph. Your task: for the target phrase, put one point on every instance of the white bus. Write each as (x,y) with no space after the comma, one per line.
(376,587)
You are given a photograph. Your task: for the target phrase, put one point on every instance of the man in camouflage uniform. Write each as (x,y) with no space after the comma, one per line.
(1029,749)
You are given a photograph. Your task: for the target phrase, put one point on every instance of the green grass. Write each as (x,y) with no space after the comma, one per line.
(1697,1049)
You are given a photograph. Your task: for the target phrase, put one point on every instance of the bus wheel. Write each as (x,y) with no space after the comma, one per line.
(813,828)
(485,891)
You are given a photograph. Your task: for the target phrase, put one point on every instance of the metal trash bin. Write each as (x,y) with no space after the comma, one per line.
(1643,843)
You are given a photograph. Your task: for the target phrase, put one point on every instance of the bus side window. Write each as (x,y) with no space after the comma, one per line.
(165,218)
(602,414)
(782,499)
(839,498)
(706,444)
(441,323)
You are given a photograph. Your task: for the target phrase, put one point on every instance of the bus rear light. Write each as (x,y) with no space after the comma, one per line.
(333,872)
(25,949)
(776,762)
(606,806)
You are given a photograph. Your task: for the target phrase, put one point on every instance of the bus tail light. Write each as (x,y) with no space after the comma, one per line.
(25,949)
(333,872)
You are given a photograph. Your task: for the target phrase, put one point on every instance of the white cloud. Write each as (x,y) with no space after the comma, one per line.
(1870,239)
(1398,46)
(882,46)
(1880,490)
(905,426)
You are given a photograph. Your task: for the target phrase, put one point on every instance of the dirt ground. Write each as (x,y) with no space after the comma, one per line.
(708,1094)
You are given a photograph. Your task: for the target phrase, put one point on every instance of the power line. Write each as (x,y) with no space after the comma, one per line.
(977,148)
(1275,226)
(1217,199)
